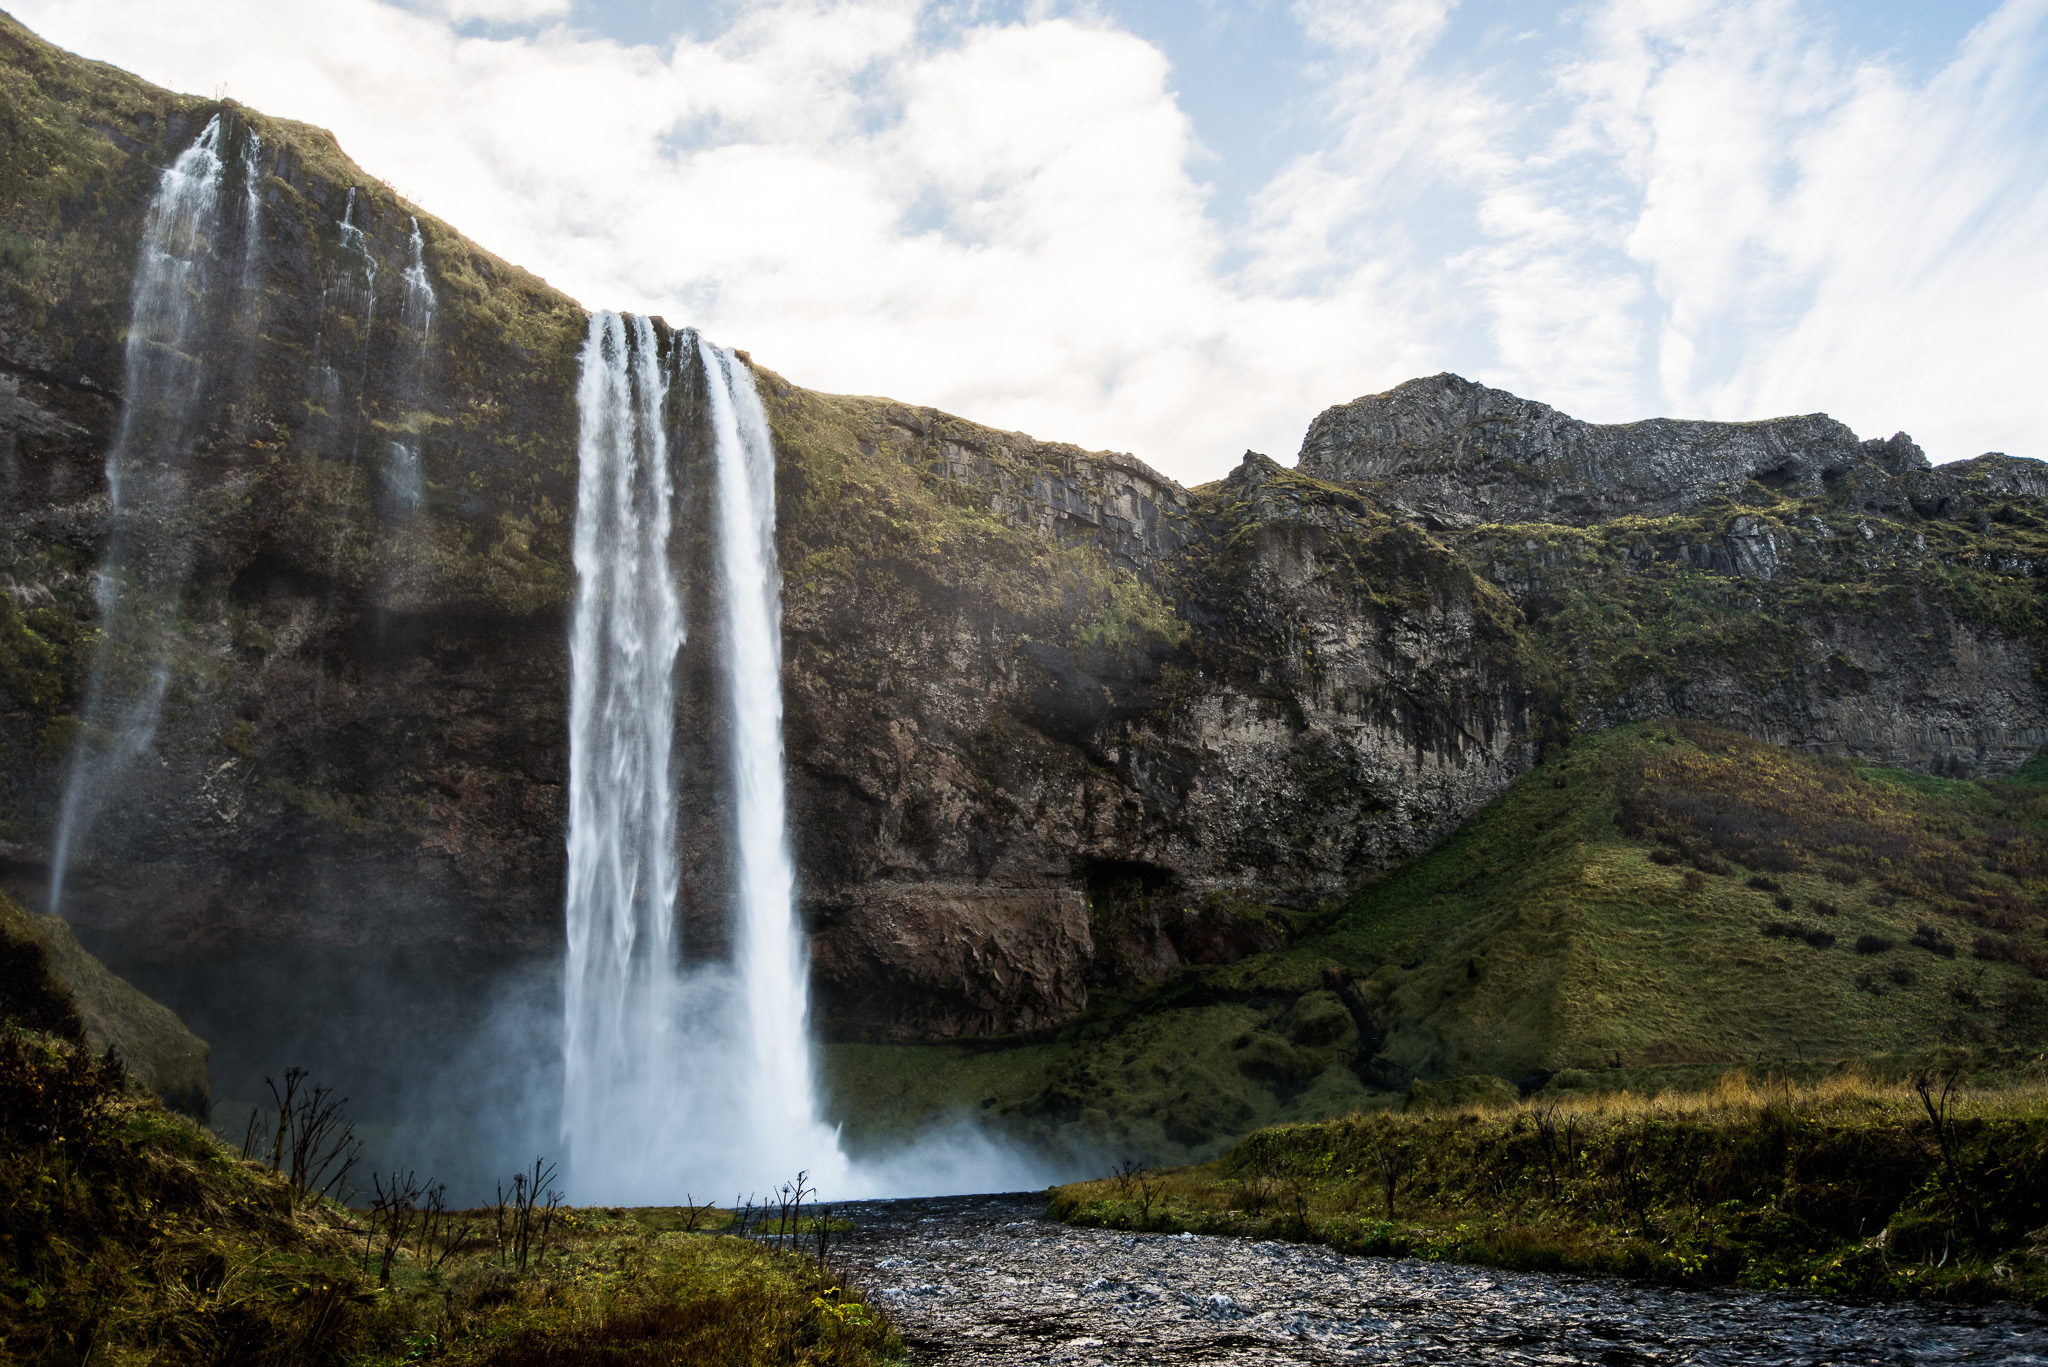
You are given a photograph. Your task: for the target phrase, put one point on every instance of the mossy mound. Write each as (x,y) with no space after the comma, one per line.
(1668,893)
(54,985)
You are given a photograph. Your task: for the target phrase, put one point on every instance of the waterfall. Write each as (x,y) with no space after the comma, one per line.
(622,1102)
(680,1075)
(346,318)
(180,278)
(770,959)
(357,297)
(405,485)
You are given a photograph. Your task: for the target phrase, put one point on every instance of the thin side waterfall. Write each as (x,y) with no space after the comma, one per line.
(405,485)
(361,298)
(341,345)
(624,1069)
(179,270)
(770,958)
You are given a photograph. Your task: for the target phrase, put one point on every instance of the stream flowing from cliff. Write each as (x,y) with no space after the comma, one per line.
(678,1076)
(184,278)
(989,1282)
(687,1070)
(622,1102)
(772,966)
(404,484)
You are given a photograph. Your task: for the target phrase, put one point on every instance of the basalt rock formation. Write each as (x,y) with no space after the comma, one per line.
(1463,454)
(1054,723)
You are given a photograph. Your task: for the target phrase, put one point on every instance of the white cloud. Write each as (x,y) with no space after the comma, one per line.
(504,11)
(1701,206)
(1825,233)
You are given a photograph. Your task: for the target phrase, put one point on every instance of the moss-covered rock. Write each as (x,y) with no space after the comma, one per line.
(53,985)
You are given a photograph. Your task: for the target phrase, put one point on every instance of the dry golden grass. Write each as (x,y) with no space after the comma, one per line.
(1873,1179)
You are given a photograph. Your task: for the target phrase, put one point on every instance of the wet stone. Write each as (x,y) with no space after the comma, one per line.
(986,1280)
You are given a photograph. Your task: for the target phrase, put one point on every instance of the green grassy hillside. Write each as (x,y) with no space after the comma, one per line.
(1657,895)
(1675,893)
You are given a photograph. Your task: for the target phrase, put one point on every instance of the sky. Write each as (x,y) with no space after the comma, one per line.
(1181,228)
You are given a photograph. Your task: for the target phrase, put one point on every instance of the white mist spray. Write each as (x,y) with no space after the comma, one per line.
(622,1103)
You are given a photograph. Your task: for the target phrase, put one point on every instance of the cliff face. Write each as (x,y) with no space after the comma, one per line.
(1023,763)
(1463,454)
(1054,723)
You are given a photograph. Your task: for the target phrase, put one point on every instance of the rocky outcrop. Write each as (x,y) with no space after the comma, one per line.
(1303,692)
(1464,454)
(1113,502)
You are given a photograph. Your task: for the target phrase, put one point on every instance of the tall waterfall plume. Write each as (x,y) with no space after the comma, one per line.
(623,1051)
(184,278)
(682,1073)
(773,968)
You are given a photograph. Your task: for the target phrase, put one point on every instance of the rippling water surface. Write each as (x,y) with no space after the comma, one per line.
(985,1279)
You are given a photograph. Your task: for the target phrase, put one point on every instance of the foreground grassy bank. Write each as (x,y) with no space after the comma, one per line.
(128,1234)
(1867,1182)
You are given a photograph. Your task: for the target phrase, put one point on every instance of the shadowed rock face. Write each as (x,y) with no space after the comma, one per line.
(1054,722)
(1466,454)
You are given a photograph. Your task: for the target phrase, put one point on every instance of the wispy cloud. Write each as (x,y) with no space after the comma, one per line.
(1657,204)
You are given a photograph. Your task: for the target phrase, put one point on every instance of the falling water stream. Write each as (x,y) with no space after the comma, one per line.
(688,1071)
(773,971)
(622,1104)
(404,484)
(680,1074)
(180,275)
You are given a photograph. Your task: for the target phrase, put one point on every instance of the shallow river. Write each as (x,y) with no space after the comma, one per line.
(981,1279)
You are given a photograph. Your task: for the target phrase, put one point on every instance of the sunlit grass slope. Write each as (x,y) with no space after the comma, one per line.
(1675,893)
(1656,895)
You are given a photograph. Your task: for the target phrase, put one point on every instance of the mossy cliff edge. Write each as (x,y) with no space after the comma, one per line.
(1061,731)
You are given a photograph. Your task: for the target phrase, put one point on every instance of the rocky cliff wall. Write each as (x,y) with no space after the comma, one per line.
(1052,724)
(1465,453)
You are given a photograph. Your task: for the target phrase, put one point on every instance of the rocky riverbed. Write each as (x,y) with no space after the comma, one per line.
(988,1280)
